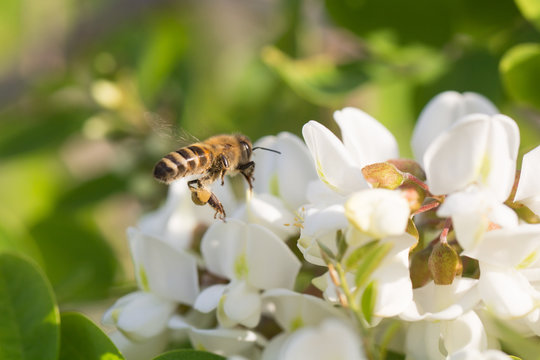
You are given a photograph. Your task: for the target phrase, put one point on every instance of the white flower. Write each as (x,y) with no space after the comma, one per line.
(482,151)
(166,271)
(140,315)
(293,311)
(378,212)
(320,224)
(508,258)
(331,340)
(433,340)
(285,175)
(339,165)
(254,259)
(147,349)
(227,342)
(528,190)
(442,112)
(167,276)
(478,149)
(442,302)
(474,354)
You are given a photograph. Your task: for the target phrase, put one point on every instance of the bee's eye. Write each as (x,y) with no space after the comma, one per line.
(246,149)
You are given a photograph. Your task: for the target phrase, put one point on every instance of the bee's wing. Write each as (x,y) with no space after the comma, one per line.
(168,130)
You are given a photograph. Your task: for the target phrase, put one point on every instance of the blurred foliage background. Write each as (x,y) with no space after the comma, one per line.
(93,93)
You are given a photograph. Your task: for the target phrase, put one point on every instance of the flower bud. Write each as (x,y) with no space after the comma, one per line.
(409,166)
(443,264)
(383,175)
(419,270)
(414,196)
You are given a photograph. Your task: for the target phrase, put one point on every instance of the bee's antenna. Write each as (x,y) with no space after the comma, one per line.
(267,149)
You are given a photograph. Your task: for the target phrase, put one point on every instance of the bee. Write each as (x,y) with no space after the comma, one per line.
(211,160)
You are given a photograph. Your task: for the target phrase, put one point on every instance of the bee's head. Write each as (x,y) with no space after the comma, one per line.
(246,148)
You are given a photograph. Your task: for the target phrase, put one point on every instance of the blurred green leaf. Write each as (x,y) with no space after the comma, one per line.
(368,300)
(188,354)
(92,192)
(530,10)
(46,130)
(316,79)
(520,71)
(526,348)
(358,254)
(79,262)
(161,56)
(28,312)
(81,339)
(424,20)
(15,238)
(369,263)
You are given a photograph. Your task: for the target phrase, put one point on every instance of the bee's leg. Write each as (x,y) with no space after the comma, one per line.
(223,166)
(201,195)
(247,170)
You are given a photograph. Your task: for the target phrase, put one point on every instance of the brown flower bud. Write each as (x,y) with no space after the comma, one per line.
(409,166)
(443,264)
(383,175)
(419,270)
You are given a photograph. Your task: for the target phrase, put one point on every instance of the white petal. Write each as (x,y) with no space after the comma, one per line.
(505,291)
(273,349)
(378,212)
(331,340)
(335,166)
(320,225)
(473,354)
(226,342)
(284,175)
(365,138)
(144,350)
(270,212)
(270,263)
(162,269)
(442,302)
(441,112)
(222,243)
(292,310)
(144,317)
(243,304)
(509,247)
(481,150)
(466,332)
(394,286)
(208,299)
(422,341)
(529,186)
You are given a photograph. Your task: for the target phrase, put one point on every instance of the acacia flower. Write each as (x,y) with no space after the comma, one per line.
(253,259)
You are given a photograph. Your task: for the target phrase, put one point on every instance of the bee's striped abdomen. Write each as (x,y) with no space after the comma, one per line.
(193,159)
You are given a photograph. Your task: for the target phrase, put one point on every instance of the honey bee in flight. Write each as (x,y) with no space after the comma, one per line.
(212,159)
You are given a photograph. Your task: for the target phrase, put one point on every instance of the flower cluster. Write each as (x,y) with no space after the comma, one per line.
(344,250)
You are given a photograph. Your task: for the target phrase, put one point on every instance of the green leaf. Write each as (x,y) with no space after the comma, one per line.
(188,354)
(358,254)
(530,9)
(368,300)
(316,79)
(342,245)
(29,316)
(92,191)
(81,339)
(520,71)
(161,56)
(526,348)
(78,261)
(369,263)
